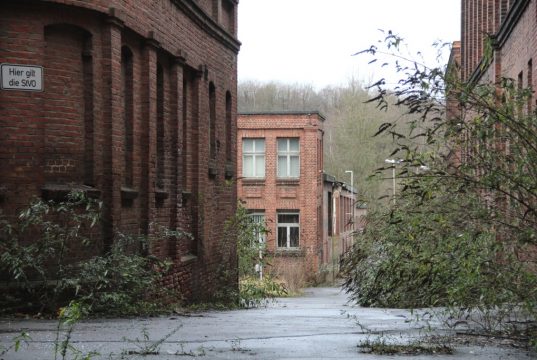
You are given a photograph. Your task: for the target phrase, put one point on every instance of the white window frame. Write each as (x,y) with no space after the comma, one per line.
(258,217)
(255,155)
(288,227)
(288,154)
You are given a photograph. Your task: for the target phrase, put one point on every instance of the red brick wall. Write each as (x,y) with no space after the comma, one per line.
(479,18)
(271,194)
(74,132)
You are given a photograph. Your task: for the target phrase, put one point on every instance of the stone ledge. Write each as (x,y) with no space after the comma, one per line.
(289,253)
(128,193)
(60,192)
(287,182)
(161,194)
(229,172)
(188,258)
(253,182)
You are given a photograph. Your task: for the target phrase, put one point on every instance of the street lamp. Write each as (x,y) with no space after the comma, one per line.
(352,192)
(393,162)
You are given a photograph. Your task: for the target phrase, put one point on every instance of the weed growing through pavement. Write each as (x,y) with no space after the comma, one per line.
(145,345)
(16,343)
(380,346)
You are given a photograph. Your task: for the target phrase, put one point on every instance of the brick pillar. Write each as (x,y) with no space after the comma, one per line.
(200,157)
(149,131)
(176,133)
(112,128)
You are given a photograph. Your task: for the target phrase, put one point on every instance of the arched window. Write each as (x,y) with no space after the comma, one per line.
(68,107)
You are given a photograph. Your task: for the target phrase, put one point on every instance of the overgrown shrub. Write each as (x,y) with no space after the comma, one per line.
(43,270)
(37,247)
(462,232)
(252,255)
(121,282)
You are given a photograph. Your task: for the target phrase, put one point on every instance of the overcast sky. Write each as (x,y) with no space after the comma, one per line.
(311,41)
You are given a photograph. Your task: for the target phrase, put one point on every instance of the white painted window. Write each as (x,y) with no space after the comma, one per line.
(288,158)
(253,158)
(288,230)
(258,218)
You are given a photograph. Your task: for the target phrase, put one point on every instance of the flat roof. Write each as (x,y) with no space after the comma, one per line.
(287,112)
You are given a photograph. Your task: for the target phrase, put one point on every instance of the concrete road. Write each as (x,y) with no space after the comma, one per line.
(319,325)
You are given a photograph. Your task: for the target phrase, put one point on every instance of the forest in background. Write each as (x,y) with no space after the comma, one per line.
(351,124)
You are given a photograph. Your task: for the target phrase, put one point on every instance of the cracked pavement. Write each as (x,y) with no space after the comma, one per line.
(318,325)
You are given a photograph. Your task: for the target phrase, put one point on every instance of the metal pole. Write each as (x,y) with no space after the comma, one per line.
(393,169)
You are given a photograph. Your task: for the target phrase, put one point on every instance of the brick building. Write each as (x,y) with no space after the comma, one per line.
(281,182)
(340,220)
(133,101)
(513,24)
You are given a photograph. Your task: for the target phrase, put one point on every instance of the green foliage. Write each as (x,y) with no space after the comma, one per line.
(251,254)
(146,346)
(41,258)
(255,291)
(380,346)
(463,232)
(36,250)
(68,317)
(430,255)
(16,343)
(120,282)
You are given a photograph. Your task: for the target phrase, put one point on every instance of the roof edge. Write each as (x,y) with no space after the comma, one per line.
(290,112)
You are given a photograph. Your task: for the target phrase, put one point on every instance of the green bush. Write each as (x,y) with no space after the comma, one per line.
(37,247)
(39,259)
(120,282)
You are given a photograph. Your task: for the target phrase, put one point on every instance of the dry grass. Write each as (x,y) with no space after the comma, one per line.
(292,274)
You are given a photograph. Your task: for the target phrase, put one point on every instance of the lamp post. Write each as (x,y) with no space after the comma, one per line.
(393,162)
(352,192)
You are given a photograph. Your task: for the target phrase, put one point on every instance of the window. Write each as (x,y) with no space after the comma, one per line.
(253,158)
(258,219)
(288,158)
(288,230)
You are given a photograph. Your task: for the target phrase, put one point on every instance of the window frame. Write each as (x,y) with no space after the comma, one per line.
(288,227)
(288,154)
(258,217)
(255,154)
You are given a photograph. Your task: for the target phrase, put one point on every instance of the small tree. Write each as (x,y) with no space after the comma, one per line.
(462,233)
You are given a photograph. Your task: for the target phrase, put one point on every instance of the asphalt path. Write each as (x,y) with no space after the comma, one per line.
(319,325)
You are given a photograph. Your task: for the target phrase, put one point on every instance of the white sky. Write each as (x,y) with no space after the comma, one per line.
(311,41)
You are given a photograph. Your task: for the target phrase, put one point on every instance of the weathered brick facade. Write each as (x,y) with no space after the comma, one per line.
(340,220)
(138,106)
(274,193)
(513,25)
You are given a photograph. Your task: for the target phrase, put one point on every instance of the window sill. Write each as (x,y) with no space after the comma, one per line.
(253,181)
(213,170)
(229,171)
(60,192)
(288,182)
(128,193)
(188,258)
(289,252)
